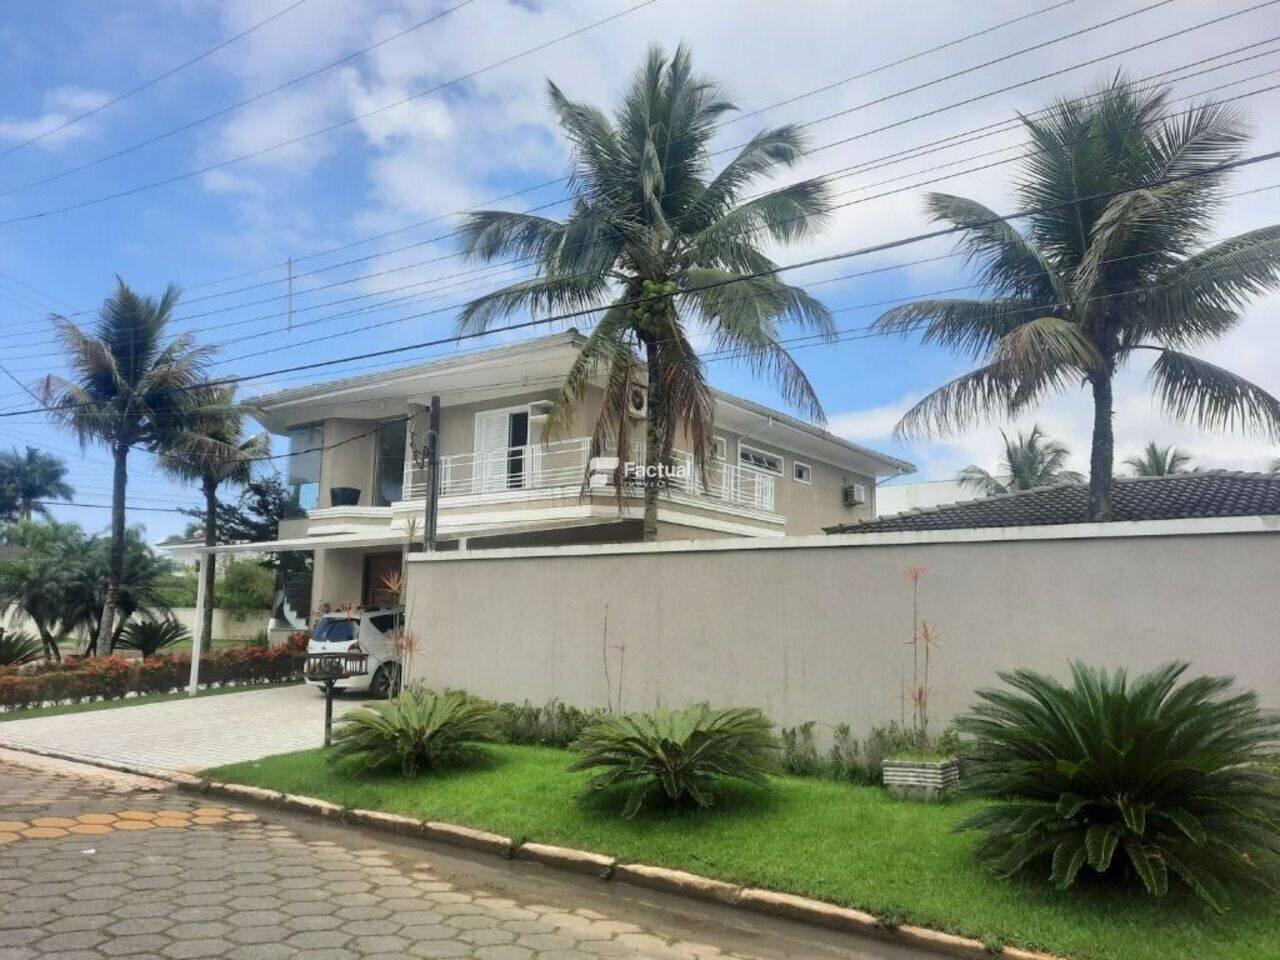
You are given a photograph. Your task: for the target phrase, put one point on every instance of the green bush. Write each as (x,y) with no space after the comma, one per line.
(1147,779)
(17,648)
(419,730)
(150,636)
(858,761)
(553,725)
(678,754)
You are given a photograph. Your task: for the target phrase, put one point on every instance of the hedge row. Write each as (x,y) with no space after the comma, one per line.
(111,678)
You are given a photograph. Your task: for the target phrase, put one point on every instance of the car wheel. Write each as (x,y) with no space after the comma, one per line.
(384,680)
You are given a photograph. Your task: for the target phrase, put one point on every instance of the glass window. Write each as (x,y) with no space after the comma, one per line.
(335,630)
(759,460)
(304,464)
(802,472)
(388,471)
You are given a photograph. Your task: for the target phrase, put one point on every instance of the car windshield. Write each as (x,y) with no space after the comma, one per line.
(335,629)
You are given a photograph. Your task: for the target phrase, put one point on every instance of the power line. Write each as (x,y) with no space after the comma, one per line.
(336,125)
(1214,170)
(150,83)
(840,173)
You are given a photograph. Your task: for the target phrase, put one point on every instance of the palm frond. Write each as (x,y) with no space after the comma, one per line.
(1196,391)
(550,293)
(972,327)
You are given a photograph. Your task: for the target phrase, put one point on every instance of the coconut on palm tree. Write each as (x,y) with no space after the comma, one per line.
(657,243)
(1111,266)
(1028,461)
(210,447)
(130,383)
(1158,461)
(30,478)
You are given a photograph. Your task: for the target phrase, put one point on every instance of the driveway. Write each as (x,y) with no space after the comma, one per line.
(100,865)
(185,735)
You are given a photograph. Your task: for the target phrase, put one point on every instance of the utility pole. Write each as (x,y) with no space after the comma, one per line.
(433,475)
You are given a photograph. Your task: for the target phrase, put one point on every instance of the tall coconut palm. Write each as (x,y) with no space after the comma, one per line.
(32,477)
(1111,266)
(1030,460)
(131,381)
(660,242)
(210,447)
(1158,461)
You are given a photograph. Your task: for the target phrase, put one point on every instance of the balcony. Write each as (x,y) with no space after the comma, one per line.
(564,466)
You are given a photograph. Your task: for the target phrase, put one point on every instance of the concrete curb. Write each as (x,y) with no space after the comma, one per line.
(607,868)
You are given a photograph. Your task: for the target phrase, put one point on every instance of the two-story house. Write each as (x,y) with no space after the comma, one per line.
(355,475)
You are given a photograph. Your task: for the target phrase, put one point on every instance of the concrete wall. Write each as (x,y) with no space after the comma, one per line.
(816,628)
(227,625)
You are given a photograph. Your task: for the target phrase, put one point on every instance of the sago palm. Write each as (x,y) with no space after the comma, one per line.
(209,446)
(660,242)
(130,382)
(1158,461)
(32,477)
(1156,780)
(1111,265)
(1028,461)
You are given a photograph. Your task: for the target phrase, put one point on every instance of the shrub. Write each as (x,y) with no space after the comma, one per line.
(150,636)
(553,725)
(419,730)
(681,754)
(858,761)
(17,648)
(1145,779)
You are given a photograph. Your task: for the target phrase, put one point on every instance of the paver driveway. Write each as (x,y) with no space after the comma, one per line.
(96,865)
(184,735)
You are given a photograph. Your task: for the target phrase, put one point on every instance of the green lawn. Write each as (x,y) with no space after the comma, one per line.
(850,845)
(219,643)
(127,702)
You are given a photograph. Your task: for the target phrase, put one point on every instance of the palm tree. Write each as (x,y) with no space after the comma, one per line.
(130,384)
(31,478)
(657,240)
(144,577)
(1111,265)
(41,578)
(211,449)
(1158,461)
(1029,461)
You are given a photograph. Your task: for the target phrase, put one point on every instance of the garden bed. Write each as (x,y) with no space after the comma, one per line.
(845,844)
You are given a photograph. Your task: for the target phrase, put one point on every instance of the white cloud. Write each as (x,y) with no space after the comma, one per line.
(61,104)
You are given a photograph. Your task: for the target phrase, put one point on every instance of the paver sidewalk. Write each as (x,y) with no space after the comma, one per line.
(95,866)
(184,735)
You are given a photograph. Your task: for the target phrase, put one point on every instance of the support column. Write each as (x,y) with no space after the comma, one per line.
(197,635)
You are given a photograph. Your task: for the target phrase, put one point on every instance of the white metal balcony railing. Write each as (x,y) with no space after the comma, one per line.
(564,464)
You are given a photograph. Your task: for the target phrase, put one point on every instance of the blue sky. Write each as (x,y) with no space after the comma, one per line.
(492,135)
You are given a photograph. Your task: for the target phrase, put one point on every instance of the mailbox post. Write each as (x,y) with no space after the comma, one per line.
(329,668)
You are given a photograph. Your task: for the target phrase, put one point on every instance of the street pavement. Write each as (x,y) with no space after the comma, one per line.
(96,864)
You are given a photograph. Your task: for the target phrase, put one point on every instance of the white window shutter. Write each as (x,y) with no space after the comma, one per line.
(493,431)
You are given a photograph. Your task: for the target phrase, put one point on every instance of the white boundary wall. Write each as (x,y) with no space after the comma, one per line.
(816,628)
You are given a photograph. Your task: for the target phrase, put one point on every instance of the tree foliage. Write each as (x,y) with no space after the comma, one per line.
(1158,461)
(27,479)
(667,248)
(1028,461)
(1117,261)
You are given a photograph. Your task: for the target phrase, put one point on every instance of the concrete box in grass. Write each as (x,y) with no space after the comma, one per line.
(921,779)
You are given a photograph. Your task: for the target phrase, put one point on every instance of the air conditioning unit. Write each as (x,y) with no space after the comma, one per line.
(855,494)
(638,401)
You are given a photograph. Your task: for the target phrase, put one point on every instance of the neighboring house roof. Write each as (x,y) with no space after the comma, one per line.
(1211,493)
(540,363)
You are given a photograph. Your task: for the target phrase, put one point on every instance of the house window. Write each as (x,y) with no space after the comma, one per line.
(760,460)
(501,439)
(719,449)
(303,475)
(388,465)
(802,472)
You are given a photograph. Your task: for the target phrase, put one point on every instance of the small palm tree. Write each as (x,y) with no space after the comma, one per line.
(1158,461)
(41,578)
(654,234)
(1111,266)
(144,577)
(130,384)
(1029,461)
(32,477)
(210,448)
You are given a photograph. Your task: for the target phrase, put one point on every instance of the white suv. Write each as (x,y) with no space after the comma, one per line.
(364,631)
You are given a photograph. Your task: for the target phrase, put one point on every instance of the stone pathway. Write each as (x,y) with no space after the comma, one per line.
(186,735)
(96,865)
